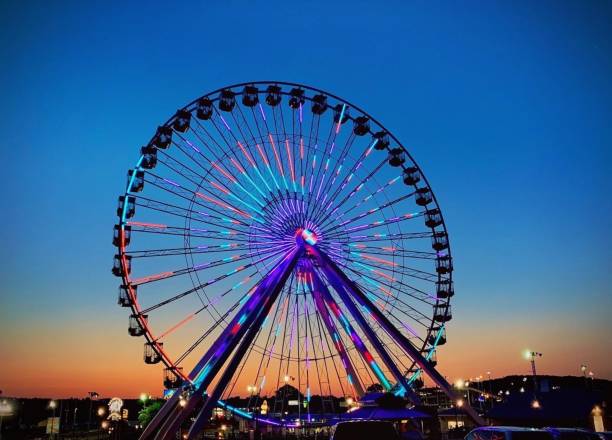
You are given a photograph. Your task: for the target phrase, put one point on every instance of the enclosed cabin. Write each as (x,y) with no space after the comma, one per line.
(433,358)
(181,122)
(433,218)
(135,326)
(380,140)
(361,126)
(412,176)
(341,113)
(439,241)
(149,157)
(151,356)
(445,289)
(437,336)
(397,157)
(319,104)
(163,137)
(444,264)
(273,95)
(135,180)
(124,299)
(128,204)
(296,98)
(118,268)
(442,313)
(172,377)
(417,383)
(204,109)
(250,96)
(227,100)
(127,234)
(423,196)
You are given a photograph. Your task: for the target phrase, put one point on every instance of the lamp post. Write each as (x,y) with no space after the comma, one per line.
(6,410)
(101,411)
(53,406)
(531,357)
(92,395)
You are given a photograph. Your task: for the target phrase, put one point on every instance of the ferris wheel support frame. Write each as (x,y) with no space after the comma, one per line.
(169,420)
(243,327)
(340,281)
(320,295)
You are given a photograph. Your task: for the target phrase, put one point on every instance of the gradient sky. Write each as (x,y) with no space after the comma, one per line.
(507,107)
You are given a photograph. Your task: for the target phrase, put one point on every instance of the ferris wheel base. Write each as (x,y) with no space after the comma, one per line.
(193,399)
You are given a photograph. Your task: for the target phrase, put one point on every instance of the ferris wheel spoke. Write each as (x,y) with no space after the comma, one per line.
(372,337)
(222,319)
(372,211)
(199,198)
(169,252)
(191,214)
(371,195)
(393,251)
(240,166)
(375,267)
(387,236)
(209,283)
(388,289)
(358,186)
(216,164)
(336,169)
(217,184)
(349,175)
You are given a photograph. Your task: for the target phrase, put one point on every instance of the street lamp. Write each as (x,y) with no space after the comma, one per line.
(531,357)
(6,410)
(53,406)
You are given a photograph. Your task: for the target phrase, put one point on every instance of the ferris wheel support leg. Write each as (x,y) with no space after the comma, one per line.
(320,291)
(372,337)
(169,419)
(332,270)
(230,370)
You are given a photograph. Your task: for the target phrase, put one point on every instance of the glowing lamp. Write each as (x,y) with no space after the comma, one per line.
(309,236)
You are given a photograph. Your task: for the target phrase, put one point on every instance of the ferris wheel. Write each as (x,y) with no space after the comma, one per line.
(274,236)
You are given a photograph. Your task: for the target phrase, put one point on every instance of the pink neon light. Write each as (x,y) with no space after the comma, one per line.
(176,326)
(155,277)
(290,160)
(263,156)
(219,187)
(237,165)
(301,148)
(380,260)
(278,162)
(148,225)
(384,275)
(222,171)
(246,154)
(223,205)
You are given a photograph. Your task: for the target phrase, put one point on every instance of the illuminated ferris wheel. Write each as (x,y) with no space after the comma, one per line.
(274,234)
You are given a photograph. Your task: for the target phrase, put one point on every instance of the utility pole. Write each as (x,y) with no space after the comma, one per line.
(531,356)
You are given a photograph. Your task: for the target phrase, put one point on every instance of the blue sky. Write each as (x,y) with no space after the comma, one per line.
(506,107)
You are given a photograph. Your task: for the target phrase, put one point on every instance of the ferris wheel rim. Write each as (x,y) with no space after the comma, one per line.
(134,305)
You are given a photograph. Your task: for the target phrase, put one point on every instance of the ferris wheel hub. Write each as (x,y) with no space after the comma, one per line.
(307,236)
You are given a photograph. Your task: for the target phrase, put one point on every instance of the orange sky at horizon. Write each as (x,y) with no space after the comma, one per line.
(60,363)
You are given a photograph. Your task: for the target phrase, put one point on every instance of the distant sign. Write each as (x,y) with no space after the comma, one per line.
(114,408)
(53,425)
(293,403)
